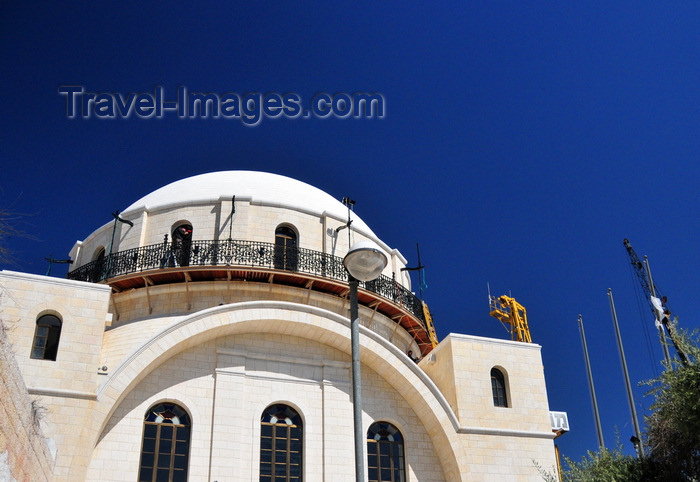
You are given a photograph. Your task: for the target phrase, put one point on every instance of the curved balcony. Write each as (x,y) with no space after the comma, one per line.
(253,261)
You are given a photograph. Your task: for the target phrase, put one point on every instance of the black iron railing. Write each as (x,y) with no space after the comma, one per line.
(233,252)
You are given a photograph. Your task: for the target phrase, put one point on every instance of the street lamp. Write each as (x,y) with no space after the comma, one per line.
(364,262)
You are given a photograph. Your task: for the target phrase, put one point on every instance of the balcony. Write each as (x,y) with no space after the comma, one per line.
(253,261)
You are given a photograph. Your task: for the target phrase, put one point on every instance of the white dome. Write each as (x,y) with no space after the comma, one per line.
(258,187)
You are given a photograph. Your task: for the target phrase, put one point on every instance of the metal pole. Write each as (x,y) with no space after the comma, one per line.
(356,381)
(630,397)
(105,274)
(662,335)
(233,211)
(601,444)
(117,219)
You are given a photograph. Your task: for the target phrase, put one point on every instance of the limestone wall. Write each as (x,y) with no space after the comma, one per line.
(500,443)
(24,452)
(82,309)
(226,384)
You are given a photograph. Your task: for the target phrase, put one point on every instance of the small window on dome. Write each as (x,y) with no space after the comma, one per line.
(98,266)
(99,254)
(286,251)
(182,244)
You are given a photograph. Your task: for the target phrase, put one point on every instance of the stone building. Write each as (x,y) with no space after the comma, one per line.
(203,334)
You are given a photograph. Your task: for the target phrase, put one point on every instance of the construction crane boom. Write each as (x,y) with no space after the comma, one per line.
(657,303)
(640,271)
(510,311)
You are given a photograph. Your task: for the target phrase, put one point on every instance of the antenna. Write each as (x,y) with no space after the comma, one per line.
(350,203)
(421,274)
(117,220)
(51,261)
(233,211)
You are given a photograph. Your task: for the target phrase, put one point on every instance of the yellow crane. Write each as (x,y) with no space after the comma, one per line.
(429,323)
(510,311)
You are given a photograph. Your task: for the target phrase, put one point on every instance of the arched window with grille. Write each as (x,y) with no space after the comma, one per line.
(498,388)
(166,444)
(281,444)
(286,252)
(46,337)
(385,453)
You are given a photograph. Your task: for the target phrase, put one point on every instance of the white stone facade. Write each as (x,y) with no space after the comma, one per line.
(225,346)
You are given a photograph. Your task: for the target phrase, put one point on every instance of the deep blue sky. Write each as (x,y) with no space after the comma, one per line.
(521,144)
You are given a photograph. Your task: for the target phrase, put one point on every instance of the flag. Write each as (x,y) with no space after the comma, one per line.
(658,310)
(421,279)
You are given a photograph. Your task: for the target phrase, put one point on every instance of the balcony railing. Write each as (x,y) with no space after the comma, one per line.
(239,253)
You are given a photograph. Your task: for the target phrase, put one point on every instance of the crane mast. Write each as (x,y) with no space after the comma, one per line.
(657,304)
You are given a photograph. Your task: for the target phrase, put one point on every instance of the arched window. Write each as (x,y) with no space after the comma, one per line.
(498,387)
(182,244)
(281,442)
(286,253)
(46,337)
(385,456)
(166,444)
(98,270)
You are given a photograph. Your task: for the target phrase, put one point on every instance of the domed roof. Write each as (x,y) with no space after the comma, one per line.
(258,187)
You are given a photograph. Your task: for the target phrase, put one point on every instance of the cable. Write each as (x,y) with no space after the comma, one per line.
(643,323)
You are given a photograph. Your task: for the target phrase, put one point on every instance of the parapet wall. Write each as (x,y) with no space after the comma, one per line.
(24,452)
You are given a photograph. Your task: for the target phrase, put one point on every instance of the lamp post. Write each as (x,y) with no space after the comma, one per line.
(364,262)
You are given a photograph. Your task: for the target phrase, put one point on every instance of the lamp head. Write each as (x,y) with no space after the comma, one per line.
(365,261)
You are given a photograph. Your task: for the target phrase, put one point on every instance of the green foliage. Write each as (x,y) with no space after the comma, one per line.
(672,430)
(607,465)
